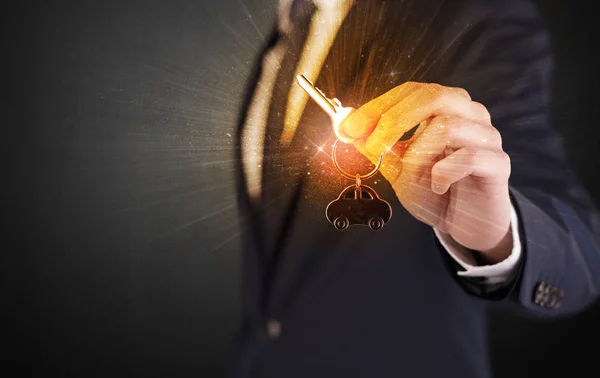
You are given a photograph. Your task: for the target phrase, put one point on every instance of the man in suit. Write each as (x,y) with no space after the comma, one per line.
(485,209)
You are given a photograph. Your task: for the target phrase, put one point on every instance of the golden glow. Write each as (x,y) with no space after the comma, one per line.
(337,119)
(323,30)
(333,107)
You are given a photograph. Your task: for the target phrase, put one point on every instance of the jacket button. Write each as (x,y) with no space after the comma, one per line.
(273,329)
(547,296)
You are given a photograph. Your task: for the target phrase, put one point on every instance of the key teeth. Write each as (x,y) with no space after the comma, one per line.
(337,102)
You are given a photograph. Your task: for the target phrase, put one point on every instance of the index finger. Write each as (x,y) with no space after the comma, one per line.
(362,121)
(420,105)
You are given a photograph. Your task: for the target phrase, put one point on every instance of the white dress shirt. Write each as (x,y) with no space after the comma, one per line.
(323,30)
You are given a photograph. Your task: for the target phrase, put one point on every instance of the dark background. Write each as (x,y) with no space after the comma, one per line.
(120,254)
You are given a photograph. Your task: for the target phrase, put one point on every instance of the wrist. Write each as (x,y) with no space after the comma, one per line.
(501,250)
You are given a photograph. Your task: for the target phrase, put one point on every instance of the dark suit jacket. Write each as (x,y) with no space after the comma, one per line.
(361,303)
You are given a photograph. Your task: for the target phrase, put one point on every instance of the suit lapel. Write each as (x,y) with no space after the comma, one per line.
(248,206)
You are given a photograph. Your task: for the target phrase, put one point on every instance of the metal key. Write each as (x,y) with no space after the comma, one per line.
(333,107)
(357,204)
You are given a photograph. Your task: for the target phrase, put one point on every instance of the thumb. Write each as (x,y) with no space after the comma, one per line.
(361,123)
(358,124)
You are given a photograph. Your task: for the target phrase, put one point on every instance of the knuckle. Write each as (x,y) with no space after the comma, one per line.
(412,85)
(473,156)
(439,91)
(436,87)
(480,107)
(448,124)
(454,124)
(462,92)
(505,160)
(441,125)
(440,94)
(495,135)
(442,119)
(502,167)
(433,90)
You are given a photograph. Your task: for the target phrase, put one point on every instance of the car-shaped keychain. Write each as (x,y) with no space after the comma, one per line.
(358,205)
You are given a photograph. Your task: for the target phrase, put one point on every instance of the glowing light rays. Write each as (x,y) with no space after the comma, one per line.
(192,156)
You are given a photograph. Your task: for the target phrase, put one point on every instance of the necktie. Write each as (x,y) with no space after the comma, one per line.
(274,182)
(301,11)
(281,183)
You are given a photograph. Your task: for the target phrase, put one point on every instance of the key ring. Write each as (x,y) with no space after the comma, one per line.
(356,177)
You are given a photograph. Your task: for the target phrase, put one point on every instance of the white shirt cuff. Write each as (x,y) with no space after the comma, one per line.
(496,272)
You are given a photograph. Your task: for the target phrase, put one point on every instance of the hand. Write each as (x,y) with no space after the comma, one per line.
(452,174)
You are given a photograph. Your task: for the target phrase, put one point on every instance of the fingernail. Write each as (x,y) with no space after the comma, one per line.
(438,188)
(343,136)
(356,125)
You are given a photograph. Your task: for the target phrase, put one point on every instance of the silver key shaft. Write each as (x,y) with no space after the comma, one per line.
(315,93)
(332,107)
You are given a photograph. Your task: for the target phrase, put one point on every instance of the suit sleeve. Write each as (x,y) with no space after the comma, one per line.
(507,66)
